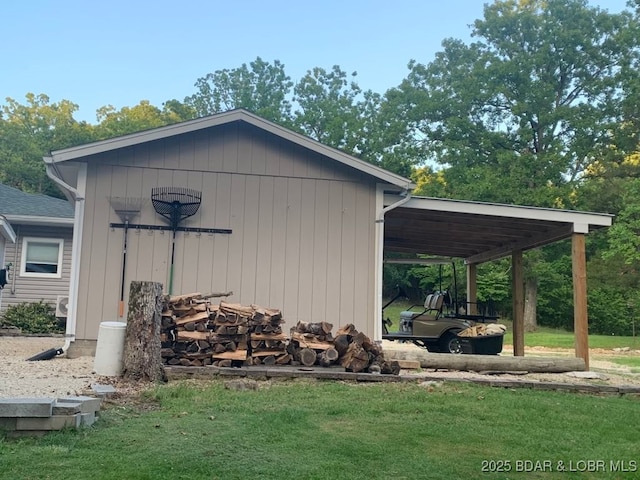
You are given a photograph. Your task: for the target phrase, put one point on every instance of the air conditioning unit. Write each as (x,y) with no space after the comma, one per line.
(62,306)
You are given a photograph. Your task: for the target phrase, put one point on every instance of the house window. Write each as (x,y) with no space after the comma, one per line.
(41,257)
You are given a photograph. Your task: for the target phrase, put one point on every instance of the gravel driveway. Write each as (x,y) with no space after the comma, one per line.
(57,377)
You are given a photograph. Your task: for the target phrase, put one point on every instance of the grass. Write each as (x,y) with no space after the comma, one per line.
(633,362)
(543,337)
(333,430)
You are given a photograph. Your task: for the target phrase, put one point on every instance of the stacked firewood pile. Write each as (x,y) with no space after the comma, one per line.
(184,332)
(312,343)
(230,335)
(196,332)
(359,354)
(268,343)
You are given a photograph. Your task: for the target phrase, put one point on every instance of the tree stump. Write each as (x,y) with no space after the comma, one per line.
(141,358)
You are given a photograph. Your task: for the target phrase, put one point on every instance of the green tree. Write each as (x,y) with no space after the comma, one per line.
(31,130)
(327,108)
(260,87)
(520,113)
(144,116)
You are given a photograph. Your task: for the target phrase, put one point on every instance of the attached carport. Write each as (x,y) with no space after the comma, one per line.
(479,232)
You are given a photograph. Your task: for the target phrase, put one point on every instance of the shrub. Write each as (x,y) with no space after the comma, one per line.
(36,317)
(608,312)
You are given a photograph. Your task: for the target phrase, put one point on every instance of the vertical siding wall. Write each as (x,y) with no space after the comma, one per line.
(29,289)
(303,228)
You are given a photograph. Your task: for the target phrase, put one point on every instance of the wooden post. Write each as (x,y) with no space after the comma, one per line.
(141,357)
(517,290)
(472,289)
(580,317)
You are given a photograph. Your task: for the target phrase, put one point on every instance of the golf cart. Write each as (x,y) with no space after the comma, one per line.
(435,325)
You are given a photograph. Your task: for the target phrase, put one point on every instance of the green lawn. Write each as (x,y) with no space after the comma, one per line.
(544,337)
(335,430)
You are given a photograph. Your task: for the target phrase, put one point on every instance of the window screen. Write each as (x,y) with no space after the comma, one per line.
(42,257)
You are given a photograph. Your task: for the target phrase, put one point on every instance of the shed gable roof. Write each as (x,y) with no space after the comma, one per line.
(78,152)
(16,205)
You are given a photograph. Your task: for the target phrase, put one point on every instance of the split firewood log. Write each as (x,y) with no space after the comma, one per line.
(355,359)
(348,329)
(328,357)
(341,344)
(307,357)
(193,318)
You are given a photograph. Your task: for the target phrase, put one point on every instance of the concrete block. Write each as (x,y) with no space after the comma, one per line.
(103,390)
(55,422)
(26,407)
(87,419)
(82,348)
(66,408)
(89,404)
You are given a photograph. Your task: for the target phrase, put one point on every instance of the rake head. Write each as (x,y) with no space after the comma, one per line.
(127,208)
(175,204)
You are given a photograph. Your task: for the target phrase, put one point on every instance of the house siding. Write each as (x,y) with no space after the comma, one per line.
(21,289)
(2,264)
(303,229)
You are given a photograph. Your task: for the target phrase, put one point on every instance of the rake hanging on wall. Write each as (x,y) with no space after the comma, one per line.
(127,209)
(175,204)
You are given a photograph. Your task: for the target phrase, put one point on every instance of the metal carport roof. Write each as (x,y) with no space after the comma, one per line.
(477,231)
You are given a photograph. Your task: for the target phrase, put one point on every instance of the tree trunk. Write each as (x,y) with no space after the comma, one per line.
(530,303)
(142,360)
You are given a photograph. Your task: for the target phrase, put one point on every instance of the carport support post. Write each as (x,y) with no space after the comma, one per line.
(517,289)
(580,317)
(472,289)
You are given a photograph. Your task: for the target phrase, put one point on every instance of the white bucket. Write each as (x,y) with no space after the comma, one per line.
(109,350)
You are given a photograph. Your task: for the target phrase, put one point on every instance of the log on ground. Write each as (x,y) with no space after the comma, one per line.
(479,363)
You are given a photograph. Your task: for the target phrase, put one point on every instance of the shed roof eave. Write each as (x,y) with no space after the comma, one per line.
(510,211)
(94,148)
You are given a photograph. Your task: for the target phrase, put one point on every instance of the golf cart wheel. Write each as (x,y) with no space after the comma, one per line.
(450,343)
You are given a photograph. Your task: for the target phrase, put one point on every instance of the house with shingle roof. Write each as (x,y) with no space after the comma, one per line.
(40,258)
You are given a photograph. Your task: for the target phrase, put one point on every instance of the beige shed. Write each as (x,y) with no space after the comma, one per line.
(301,215)
(304,224)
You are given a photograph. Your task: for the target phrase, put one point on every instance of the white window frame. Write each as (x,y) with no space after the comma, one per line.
(23,262)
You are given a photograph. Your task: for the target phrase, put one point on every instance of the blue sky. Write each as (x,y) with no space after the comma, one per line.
(121,52)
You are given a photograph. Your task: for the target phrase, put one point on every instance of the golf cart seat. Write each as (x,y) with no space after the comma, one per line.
(432,309)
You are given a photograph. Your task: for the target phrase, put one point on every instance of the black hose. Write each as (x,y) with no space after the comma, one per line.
(46,355)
